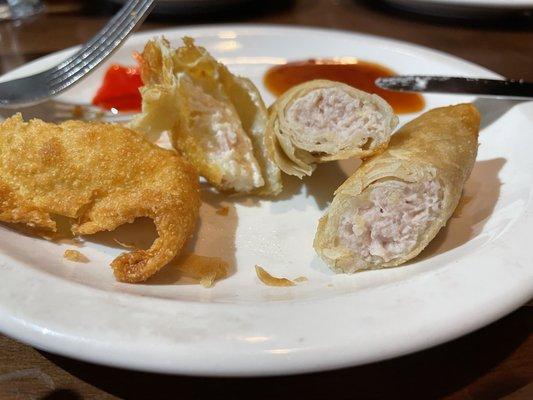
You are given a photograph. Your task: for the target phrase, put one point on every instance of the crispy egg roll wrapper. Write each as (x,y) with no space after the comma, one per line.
(215,119)
(322,120)
(437,151)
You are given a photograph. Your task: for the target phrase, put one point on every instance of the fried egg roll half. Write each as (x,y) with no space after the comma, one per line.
(215,119)
(322,120)
(389,210)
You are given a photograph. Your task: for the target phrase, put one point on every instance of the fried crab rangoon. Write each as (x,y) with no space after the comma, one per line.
(215,119)
(101,176)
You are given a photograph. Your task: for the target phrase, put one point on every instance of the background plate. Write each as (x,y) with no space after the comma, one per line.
(462,9)
(475,271)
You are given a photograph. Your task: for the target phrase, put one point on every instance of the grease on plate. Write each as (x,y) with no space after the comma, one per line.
(204,269)
(223,211)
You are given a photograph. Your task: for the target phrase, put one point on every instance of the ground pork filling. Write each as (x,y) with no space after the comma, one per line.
(224,141)
(327,114)
(388,223)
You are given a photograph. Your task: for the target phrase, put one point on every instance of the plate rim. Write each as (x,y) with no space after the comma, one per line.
(284,364)
(288,27)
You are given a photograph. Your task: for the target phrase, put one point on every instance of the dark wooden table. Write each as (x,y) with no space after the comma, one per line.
(495,362)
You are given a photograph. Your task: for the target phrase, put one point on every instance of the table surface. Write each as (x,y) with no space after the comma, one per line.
(495,362)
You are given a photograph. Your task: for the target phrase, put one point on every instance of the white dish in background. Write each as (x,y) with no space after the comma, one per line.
(193,7)
(477,3)
(465,8)
(477,269)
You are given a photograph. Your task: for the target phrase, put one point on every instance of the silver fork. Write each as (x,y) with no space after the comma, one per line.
(57,111)
(36,88)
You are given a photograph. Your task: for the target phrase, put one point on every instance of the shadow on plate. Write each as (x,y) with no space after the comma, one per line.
(214,237)
(63,234)
(322,184)
(492,109)
(480,196)
(327,178)
(140,234)
(435,373)
(215,233)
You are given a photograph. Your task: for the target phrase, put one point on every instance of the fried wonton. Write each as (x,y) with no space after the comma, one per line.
(100,176)
(215,119)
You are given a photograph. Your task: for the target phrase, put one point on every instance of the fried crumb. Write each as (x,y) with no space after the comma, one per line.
(75,256)
(223,211)
(204,269)
(301,279)
(270,280)
(126,245)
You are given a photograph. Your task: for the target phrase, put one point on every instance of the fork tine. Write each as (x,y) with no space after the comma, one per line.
(33,89)
(106,42)
(57,111)
(87,112)
(72,74)
(96,40)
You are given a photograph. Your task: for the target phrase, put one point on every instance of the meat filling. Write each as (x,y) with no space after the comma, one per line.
(332,117)
(227,146)
(389,222)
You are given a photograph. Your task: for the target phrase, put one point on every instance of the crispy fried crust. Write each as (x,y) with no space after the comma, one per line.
(207,109)
(101,176)
(441,144)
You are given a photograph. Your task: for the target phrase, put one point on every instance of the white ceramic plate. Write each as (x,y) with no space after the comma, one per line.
(464,8)
(477,269)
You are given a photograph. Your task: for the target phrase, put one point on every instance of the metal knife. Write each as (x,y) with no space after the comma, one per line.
(509,89)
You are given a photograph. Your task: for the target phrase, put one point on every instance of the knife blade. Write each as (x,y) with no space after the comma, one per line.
(509,89)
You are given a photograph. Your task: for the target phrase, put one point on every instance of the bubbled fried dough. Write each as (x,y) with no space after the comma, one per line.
(101,176)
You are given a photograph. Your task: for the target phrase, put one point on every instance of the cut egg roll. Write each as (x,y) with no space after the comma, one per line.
(322,120)
(215,119)
(391,208)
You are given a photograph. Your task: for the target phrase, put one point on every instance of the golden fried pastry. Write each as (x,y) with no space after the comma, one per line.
(321,120)
(215,119)
(75,256)
(389,210)
(271,280)
(101,176)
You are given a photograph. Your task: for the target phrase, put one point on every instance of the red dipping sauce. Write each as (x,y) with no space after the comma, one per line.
(353,72)
(120,89)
